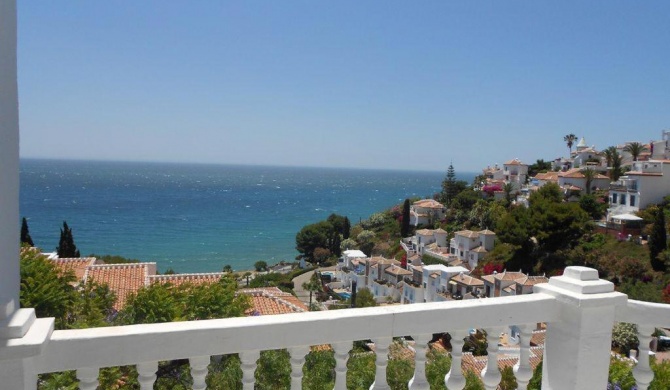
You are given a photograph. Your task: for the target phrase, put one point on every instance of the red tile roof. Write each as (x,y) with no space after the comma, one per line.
(271,300)
(123,279)
(77,265)
(179,279)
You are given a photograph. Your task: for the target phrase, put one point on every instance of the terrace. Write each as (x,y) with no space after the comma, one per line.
(577,307)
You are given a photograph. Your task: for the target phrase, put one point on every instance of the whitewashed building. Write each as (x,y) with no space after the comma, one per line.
(647,183)
(470,246)
(426,212)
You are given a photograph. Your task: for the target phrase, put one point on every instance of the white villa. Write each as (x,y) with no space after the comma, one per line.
(648,182)
(574,180)
(583,153)
(578,308)
(470,246)
(425,212)
(513,171)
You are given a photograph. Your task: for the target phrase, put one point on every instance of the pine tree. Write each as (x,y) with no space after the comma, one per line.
(658,241)
(66,247)
(25,234)
(404,224)
(449,186)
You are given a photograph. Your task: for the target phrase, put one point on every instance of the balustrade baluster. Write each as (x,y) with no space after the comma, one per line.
(454,380)
(249,359)
(642,372)
(419,381)
(88,378)
(341,356)
(297,363)
(381,349)
(490,374)
(146,374)
(199,371)
(522,370)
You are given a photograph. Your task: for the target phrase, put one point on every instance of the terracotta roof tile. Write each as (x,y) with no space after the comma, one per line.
(467,280)
(77,265)
(123,279)
(179,279)
(271,300)
(467,233)
(531,280)
(429,204)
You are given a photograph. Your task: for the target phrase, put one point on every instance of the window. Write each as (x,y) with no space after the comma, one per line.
(614,198)
(622,199)
(632,200)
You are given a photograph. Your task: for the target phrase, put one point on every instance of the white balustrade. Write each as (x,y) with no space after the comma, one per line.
(642,371)
(88,378)
(199,366)
(569,311)
(381,349)
(647,316)
(419,380)
(341,356)
(146,374)
(491,375)
(454,378)
(297,361)
(249,361)
(522,370)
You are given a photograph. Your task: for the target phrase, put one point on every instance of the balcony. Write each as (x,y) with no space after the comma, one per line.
(624,186)
(578,309)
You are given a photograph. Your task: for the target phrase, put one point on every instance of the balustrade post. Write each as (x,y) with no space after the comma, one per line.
(522,369)
(577,346)
(381,349)
(146,374)
(419,381)
(199,366)
(490,374)
(454,380)
(249,359)
(642,372)
(341,355)
(88,378)
(297,364)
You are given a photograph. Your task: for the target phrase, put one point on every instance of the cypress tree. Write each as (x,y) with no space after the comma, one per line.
(25,234)
(404,225)
(346,230)
(66,247)
(658,240)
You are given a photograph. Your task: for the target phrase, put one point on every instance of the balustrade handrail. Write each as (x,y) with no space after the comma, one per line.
(131,344)
(644,313)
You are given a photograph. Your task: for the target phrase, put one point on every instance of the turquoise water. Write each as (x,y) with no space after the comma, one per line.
(196,217)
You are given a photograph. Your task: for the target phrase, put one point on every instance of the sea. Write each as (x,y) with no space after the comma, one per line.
(201,217)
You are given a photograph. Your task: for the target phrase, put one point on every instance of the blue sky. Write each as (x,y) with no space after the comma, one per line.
(401,85)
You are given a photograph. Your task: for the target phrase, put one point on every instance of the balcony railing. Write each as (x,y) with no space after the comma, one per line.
(624,186)
(578,308)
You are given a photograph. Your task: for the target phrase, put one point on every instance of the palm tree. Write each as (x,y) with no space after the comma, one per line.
(616,171)
(609,155)
(508,189)
(589,175)
(312,285)
(635,149)
(570,140)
